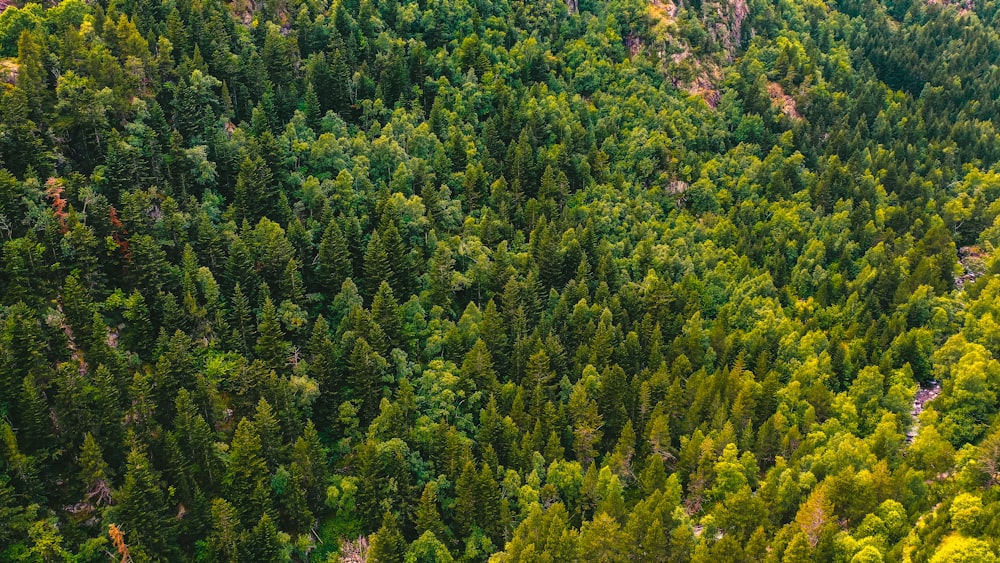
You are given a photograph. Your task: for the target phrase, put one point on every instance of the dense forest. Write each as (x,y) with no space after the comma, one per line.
(506,281)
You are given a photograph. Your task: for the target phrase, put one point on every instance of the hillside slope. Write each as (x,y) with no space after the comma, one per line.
(438,280)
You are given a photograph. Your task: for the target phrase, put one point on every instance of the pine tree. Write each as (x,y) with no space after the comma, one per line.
(798,550)
(441,271)
(654,474)
(94,472)
(428,549)
(493,332)
(262,543)
(175,370)
(224,538)
(244,329)
(340,79)
(488,496)
(31,75)
(428,518)
(313,110)
(538,372)
(365,368)
(388,544)
(467,507)
(334,261)
(310,455)
(195,438)
(601,540)
(478,368)
(291,283)
(291,497)
(547,254)
(271,346)
(14,519)
(385,313)
(35,421)
(254,197)
(326,369)
(269,430)
(376,266)
(587,424)
(142,509)
(403,276)
(247,481)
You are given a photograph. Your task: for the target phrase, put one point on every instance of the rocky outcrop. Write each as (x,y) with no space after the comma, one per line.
(726,27)
(697,71)
(924,395)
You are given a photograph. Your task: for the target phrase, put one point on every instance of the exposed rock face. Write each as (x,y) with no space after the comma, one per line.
(8,69)
(973,261)
(964,6)
(782,101)
(924,395)
(726,29)
(693,70)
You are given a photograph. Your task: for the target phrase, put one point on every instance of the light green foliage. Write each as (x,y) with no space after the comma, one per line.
(964,550)
(966,514)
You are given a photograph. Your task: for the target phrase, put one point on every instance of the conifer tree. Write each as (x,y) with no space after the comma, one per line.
(262,543)
(196,440)
(247,481)
(310,455)
(478,368)
(428,549)
(488,496)
(313,110)
(428,517)
(265,423)
(467,508)
(364,373)
(34,420)
(403,275)
(142,509)
(94,471)
(254,197)
(376,266)
(271,346)
(334,259)
(388,544)
(243,325)
(385,313)
(31,75)
(441,271)
(224,538)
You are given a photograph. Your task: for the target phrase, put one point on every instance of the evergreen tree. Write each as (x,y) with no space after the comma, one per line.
(388,544)
(254,195)
(142,509)
(224,539)
(441,271)
(268,429)
(428,517)
(271,346)
(376,266)
(365,368)
(334,259)
(247,481)
(313,110)
(385,313)
(468,511)
(262,543)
